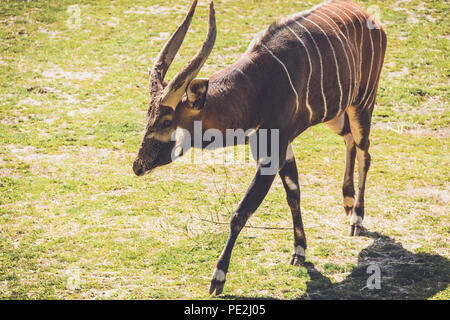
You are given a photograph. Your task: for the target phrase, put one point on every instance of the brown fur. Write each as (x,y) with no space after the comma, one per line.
(320,66)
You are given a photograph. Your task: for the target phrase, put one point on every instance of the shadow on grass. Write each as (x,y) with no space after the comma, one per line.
(404,274)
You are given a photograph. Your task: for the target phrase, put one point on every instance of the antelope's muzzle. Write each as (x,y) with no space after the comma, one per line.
(139,167)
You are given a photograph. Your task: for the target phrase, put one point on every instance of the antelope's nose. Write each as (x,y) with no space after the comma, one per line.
(138,167)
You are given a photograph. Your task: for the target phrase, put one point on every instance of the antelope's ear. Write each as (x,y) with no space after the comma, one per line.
(196,93)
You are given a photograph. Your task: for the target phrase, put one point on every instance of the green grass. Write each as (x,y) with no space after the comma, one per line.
(76,223)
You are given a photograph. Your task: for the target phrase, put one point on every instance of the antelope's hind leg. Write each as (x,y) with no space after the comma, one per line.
(289,177)
(359,121)
(341,126)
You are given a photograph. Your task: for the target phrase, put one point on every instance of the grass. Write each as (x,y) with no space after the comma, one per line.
(75,223)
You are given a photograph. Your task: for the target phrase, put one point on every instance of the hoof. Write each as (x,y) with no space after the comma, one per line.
(356,225)
(297,260)
(217,282)
(356,230)
(216,286)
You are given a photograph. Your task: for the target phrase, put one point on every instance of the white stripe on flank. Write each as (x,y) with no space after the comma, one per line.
(372,98)
(347,38)
(335,61)
(286,70)
(380,59)
(321,66)
(346,56)
(361,42)
(365,102)
(380,62)
(308,106)
(372,53)
(357,70)
(373,94)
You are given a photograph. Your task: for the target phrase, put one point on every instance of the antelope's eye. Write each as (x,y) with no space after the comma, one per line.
(167,123)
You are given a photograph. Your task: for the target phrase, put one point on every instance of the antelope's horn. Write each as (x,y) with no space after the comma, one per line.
(173,92)
(169,51)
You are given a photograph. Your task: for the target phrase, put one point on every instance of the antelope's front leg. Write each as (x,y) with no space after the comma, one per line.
(255,195)
(289,177)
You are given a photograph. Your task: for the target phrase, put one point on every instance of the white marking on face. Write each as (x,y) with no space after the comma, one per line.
(286,70)
(161,136)
(298,250)
(219,275)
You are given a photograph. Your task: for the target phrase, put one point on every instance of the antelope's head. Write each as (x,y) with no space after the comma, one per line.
(172,103)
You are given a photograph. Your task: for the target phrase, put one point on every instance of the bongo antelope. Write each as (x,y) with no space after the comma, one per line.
(318,66)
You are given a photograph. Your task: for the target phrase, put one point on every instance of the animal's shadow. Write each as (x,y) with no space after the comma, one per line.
(404,274)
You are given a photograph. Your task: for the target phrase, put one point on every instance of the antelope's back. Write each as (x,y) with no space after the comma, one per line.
(332,56)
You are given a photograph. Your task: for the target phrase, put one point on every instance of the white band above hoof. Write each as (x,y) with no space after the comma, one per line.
(356,220)
(218,275)
(299,251)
